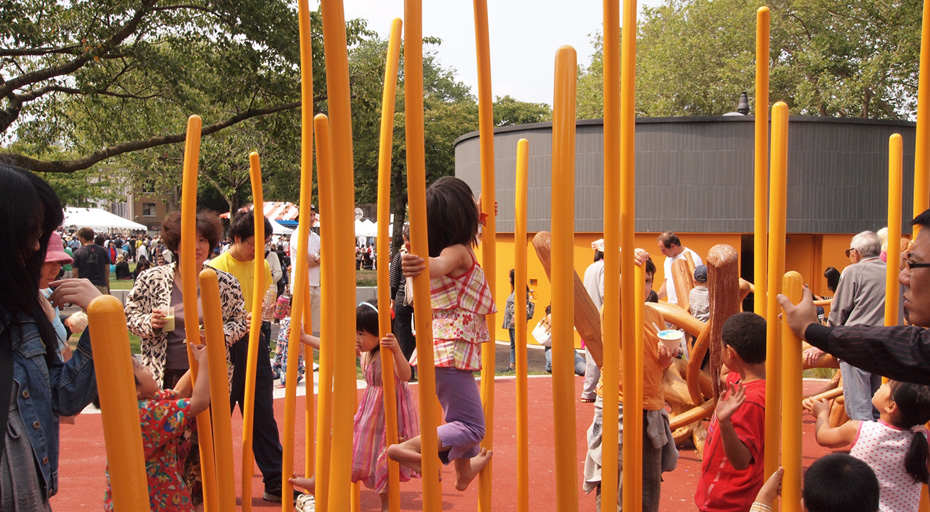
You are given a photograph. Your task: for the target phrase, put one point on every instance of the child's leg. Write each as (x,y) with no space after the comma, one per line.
(467,469)
(464,427)
(407,453)
(385,507)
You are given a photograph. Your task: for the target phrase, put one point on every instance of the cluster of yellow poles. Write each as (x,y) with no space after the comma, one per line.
(337,368)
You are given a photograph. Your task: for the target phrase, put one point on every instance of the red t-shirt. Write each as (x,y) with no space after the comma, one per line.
(721,487)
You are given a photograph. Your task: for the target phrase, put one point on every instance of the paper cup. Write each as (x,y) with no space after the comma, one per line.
(671,339)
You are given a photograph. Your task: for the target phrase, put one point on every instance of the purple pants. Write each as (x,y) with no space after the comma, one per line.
(464,427)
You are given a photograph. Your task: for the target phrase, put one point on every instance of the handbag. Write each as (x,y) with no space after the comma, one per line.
(530,310)
(542,334)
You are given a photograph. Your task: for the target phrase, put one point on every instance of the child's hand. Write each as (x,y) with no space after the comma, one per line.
(304,483)
(412,265)
(816,407)
(390,342)
(771,488)
(730,400)
(640,256)
(812,356)
(200,353)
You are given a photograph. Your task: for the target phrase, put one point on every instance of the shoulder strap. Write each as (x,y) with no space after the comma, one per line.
(6,387)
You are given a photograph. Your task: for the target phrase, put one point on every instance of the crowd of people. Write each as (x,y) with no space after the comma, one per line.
(44,380)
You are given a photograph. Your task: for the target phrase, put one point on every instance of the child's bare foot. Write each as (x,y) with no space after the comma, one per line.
(306,483)
(468,469)
(405,456)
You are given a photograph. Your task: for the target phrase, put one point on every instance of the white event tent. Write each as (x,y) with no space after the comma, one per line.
(98,220)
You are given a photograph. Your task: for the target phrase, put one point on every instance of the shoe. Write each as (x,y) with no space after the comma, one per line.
(587,400)
(274,494)
(305,503)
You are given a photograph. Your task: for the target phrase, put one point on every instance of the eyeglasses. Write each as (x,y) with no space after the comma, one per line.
(911,265)
(849,251)
(251,244)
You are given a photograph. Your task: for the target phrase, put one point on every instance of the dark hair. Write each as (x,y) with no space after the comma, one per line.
(653,296)
(833,278)
(913,401)
(29,212)
(922,220)
(598,255)
(745,332)
(511,280)
(243,226)
(98,240)
(208,226)
(86,234)
(669,239)
(650,266)
(840,481)
(451,215)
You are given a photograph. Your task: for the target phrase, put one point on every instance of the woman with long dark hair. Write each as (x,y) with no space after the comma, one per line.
(35,385)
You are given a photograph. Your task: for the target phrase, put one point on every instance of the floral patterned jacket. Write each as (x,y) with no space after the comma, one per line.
(153,289)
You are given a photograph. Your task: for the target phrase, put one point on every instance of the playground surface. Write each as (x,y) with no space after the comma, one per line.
(83,458)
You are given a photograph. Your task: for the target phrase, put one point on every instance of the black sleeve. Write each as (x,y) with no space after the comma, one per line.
(396,275)
(900,353)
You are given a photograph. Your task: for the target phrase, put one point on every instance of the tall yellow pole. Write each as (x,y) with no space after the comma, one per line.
(119,410)
(325,400)
(610,330)
(563,233)
(248,409)
(419,244)
(187,256)
(306,161)
(761,159)
(489,234)
(921,159)
(219,387)
(343,240)
(895,178)
(633,405)
(777,212)
(385,149)
(519,296)
(791,387)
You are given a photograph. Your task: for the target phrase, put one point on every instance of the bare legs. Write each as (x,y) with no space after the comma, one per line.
(409,454)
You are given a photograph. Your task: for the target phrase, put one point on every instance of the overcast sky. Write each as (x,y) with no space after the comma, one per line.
(524,36)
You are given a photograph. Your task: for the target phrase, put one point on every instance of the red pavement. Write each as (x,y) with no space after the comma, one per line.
(83,460)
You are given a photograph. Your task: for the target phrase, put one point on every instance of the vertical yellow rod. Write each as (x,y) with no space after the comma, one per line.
(187,249)
(219,387)
(119,410)
(761,154)
(343,241)
(248,409)
(921,159)
(791,387)
(895,178)
(519,295)
(563,232)
(306,161)
(777,212)
(610,330)
(385,149)
(632,307)
(419,244)
(489,234)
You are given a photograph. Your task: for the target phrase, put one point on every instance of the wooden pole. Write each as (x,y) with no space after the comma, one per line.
(563,340)
(384,255)
(519,296)
(761,160)
(792,395)
(119,410)
(895,178)
(777,212)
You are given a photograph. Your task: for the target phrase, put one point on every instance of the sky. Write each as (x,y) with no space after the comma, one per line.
(524,36)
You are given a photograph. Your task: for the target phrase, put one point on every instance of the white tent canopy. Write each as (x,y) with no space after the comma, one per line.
(278,229)
(98,220)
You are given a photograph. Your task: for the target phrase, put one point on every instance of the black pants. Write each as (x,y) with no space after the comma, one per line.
(403,328)
(265,443)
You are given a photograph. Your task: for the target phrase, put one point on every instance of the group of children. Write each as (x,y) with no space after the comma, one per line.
(893,448)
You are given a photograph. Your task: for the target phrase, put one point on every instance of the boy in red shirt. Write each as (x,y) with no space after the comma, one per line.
(731,473)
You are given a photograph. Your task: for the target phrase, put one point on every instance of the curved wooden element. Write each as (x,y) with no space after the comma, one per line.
(694,368)
(680,317)
(696,414)
(587,319)
(723,286)
(745,288)
(683,277)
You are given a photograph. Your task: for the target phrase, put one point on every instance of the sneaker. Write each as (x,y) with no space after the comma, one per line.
(305,503)
(274,494)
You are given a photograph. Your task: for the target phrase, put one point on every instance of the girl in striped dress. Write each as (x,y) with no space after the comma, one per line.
(369,460)
(460,299)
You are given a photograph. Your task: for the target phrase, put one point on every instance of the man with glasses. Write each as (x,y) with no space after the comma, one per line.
(899,352)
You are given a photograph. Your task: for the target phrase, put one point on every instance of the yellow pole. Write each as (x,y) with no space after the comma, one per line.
(384,254)
(633,409)
(343,240)
(248,409)
(119,410)
(563,232)
(519,295)
(921,159)
(777,207)
(187,256)
(610,330)
(219,387)
(791,387)
(306,161)
(489,234)
(419,244)
(761,159)
(325,399)
(895,177)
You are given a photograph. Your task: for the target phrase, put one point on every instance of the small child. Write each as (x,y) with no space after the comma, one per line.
(164,415)
(835,483)
(460,299)
(895,446)
(369,462)
(698,298)
(731,473)
(279,363)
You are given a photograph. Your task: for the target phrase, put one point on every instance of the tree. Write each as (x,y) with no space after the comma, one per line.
(509,111)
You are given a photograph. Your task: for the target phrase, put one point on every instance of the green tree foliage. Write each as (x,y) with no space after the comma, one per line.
(509,111)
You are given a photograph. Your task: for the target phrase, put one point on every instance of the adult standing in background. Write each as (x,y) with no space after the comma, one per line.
(594,285)
(275,263)
(313,266)
(403,303)
(671,248)
(92,262)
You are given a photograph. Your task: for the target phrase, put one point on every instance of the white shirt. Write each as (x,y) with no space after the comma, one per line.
(313,249)
(669,284)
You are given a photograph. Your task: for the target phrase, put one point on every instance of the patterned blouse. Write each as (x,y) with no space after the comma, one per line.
(153,289)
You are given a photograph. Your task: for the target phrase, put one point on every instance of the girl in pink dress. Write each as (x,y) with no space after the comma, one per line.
(369,460)
(895,446)
(460,299)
